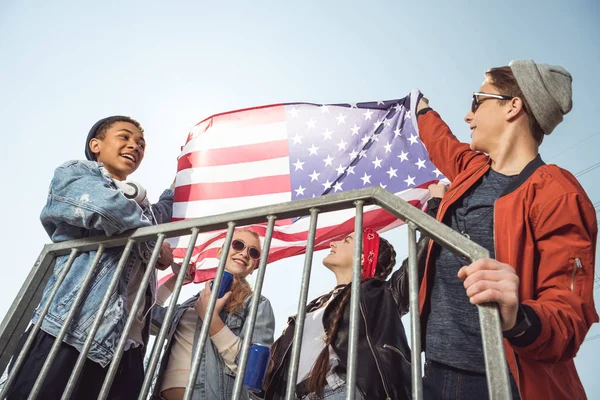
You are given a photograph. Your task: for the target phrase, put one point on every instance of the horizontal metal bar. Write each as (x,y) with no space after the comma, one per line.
(331,202)
(436,230)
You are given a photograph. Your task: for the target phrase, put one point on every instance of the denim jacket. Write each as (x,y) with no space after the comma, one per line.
(215,380)
(83,201)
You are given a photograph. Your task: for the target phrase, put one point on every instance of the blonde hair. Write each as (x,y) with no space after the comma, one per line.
(241,289)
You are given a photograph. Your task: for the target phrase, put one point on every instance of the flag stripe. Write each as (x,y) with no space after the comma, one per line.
(228,190)
(233,173)
(234,155)
(202,208)
(223,136)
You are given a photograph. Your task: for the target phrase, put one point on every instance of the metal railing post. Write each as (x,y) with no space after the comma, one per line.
(36,327)
(63,331)
(251,320)
(355,303)
(140,295)
(156,350)
(207,319)
(415,322)
(290,392)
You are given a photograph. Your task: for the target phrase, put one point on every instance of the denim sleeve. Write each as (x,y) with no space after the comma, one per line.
(163,209)
(264,327)
(82,196)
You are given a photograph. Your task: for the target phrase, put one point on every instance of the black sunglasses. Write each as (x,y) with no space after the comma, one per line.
(239,245)
(477,102)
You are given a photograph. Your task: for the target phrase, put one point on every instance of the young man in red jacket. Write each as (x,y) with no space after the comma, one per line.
(539,227)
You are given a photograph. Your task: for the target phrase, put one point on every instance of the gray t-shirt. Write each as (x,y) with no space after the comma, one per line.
(453,335)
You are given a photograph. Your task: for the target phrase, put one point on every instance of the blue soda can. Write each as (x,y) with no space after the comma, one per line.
(226,283)
(258,362)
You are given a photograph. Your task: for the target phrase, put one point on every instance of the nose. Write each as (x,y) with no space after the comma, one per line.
(132,144)
(469,117)
(333,245)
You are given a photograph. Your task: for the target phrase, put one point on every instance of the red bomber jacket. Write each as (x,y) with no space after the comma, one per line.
(545,227)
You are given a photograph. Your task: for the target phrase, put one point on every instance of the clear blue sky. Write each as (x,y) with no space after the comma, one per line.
(65,64)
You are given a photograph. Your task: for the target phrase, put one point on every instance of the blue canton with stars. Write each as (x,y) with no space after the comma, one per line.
(334,148)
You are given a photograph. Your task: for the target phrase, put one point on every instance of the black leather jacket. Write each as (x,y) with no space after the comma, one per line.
(383,351)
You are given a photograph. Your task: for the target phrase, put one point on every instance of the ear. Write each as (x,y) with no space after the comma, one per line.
(94,145)
(219,252)
(515,108)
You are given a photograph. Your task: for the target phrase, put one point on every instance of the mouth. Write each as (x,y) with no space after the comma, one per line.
(129,157)
(240,262)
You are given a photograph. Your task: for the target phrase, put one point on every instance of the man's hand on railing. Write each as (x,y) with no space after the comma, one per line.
(488,280)
(166,257)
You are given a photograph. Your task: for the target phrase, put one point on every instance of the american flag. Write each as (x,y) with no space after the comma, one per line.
(278,153)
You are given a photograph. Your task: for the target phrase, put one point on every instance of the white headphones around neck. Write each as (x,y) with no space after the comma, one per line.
(132,190)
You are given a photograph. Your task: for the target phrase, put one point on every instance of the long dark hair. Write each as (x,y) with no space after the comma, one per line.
(318,374)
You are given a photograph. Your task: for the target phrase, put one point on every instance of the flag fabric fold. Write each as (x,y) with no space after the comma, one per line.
(283,152)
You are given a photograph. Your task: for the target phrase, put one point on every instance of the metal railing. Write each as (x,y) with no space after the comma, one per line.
(21,311)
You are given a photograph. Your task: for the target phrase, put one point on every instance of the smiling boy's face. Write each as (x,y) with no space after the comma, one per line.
(121,150)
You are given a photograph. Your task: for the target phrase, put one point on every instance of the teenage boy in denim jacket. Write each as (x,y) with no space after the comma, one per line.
(85,201)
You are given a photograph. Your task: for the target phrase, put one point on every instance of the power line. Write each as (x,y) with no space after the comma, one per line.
(592,338)
(588,169)
(574,146)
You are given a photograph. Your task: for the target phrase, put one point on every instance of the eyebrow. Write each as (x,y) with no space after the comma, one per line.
(131,133)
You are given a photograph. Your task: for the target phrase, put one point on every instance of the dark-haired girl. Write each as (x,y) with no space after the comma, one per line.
(383,368)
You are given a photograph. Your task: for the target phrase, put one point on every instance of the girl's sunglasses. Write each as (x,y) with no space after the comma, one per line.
(239,245)
(477,101)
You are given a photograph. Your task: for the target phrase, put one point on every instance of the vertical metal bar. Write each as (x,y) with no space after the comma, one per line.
(239,378)
(24,304)
(36,327)
(99,317)
(355,302)
(140,295)
(63,331)
(151,367)
(493,352)
(207,319)
(415,322)
(290,392)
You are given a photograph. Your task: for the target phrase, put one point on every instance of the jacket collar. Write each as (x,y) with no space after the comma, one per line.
(524,175)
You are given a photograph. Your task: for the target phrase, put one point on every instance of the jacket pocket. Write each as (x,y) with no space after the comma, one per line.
(395,349)
(576,274)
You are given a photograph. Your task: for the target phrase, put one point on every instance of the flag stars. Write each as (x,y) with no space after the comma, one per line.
(341,119)
(342,145)
(388,147)
(392,172)
(420,163)
(324,109)
(327,134)
(355,130)
(362,154)
(313,150)
(368,114)
(353,154)
(311,124)
(413,138)
(377,162)
(365,139)
(382,185)
(340,170)
(398,107)
(397,132)
(350,169)
(410,181)
(298,164)
(328,161)
(387,122)
(338,186)
(300,191)
(403,156)
(327,185)
(314,176)
(297,139)
(437,173)
(366,179)
(294,112)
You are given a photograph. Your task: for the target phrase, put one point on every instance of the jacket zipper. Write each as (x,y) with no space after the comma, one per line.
(578,266)
(388,346)
(374,355)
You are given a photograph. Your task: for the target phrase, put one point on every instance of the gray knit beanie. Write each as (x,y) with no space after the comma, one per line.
(547,89)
